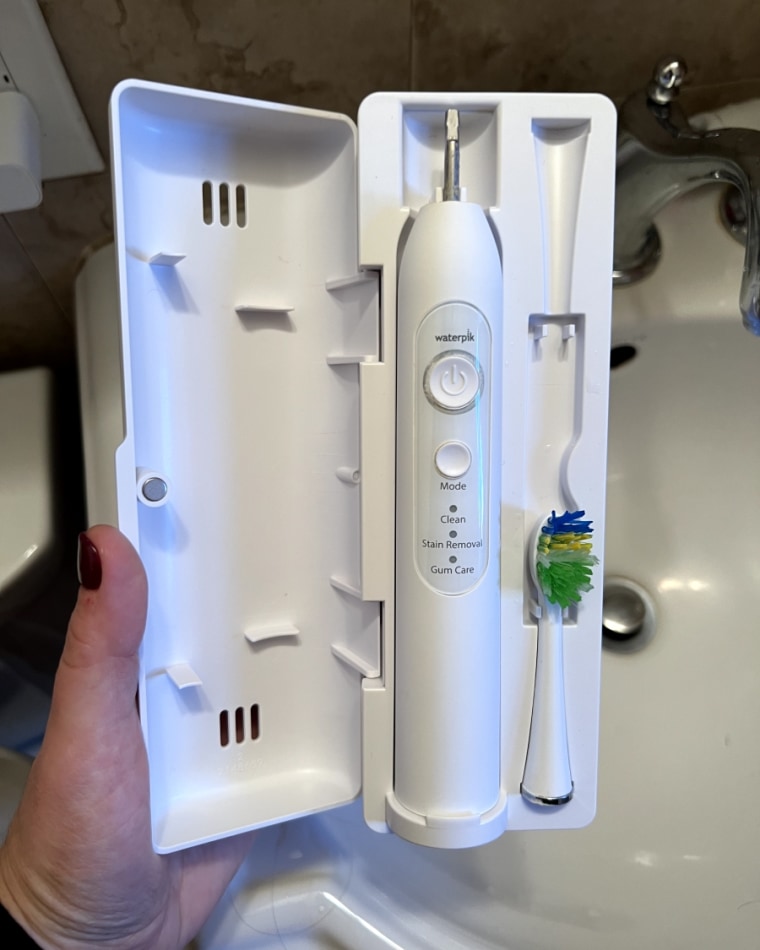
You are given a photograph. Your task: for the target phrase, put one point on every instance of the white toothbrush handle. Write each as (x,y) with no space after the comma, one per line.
(448,599)
(547,779)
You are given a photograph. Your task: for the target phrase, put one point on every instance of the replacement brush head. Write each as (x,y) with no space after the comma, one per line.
(564,562)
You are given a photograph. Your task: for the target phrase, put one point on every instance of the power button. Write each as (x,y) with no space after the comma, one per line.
(453,380)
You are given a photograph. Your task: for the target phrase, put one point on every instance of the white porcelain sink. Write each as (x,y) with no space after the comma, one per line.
(673,858)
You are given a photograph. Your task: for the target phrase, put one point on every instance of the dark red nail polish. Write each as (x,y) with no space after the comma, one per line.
(89,568)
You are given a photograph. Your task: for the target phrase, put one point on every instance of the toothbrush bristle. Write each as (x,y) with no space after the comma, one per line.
(564,561)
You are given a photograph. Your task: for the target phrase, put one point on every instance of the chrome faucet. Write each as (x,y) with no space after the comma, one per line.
(661,156)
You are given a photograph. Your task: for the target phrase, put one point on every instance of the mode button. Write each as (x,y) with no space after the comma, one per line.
(453,459)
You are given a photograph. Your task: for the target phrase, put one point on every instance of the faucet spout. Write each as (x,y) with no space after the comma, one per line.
(661,156)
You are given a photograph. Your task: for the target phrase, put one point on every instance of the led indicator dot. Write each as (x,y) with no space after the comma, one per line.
(453,508)
(452,560)
(452,534)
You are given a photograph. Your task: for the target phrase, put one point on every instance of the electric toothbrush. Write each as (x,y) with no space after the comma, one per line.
(447,630)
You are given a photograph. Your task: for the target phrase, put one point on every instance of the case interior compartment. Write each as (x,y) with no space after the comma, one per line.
(244,400)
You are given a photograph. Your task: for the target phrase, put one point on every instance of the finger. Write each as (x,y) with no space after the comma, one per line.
(86,798)
(97,676)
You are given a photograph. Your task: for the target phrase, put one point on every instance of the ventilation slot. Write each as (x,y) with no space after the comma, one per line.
(237,720)
(224,204)
(240,206)
(229,204)
(208,203)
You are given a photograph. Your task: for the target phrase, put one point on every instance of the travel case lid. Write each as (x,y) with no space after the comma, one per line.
(240,408)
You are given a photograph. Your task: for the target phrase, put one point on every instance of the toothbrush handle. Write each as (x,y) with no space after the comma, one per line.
(447,710)
(547,779)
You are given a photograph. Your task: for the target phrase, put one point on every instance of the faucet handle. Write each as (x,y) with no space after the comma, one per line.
(669,74)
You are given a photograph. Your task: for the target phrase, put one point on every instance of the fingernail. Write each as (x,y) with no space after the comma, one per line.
(89,568)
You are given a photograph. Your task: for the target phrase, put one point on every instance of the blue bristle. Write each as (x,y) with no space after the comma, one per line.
(567,523)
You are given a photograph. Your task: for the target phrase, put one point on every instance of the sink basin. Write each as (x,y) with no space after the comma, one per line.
(671,861)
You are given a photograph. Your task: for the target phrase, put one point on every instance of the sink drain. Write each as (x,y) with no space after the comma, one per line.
(627,615)
(623,353)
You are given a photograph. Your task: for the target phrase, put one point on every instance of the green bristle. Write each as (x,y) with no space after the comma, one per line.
(563,582)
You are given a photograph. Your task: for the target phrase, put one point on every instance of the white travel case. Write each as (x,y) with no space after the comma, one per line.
(258,250)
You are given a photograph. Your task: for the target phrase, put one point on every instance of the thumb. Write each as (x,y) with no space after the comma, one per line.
(80,840)
(97,676)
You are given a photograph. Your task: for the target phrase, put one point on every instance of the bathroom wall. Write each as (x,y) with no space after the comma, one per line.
(328,54)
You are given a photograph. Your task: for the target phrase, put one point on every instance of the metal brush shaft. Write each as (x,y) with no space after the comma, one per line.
(451,158)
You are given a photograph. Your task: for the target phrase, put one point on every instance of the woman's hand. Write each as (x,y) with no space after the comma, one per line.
(77,867)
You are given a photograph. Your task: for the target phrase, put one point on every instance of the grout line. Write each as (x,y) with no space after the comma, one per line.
(32,264)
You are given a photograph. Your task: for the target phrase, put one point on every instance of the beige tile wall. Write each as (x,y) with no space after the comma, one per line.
(328,54)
